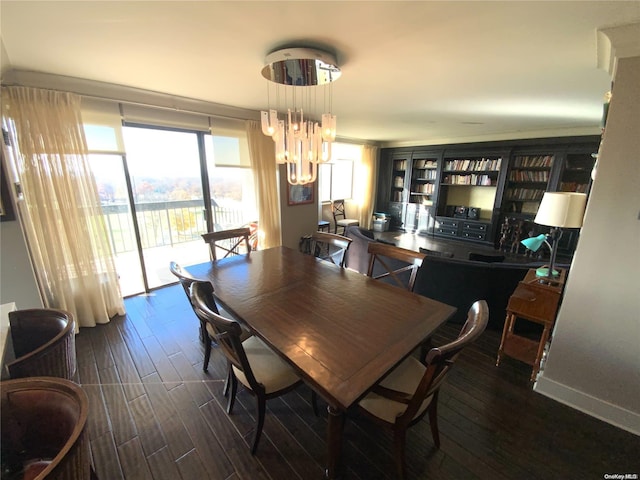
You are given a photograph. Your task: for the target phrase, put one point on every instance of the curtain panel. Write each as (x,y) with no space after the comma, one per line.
(263,165)
(59,208)
(365,186)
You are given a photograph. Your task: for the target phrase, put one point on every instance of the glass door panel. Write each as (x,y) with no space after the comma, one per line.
(164,169)
(114,198)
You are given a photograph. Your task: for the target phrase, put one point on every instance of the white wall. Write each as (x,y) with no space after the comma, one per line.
(594,359)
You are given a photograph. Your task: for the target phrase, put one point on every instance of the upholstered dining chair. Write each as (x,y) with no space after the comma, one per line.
(340,217)
(411,389)
(330,247)
(228,242)
(395,263)
(261,371)
(44,343)
(186,280)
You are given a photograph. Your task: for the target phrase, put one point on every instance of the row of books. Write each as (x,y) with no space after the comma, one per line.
(398,182)
(529,175)
(425,163)
(400,165)
(426,175)
(424,188)
(525,193)
(470,165)
(533,161)
(397,197)
(472,179)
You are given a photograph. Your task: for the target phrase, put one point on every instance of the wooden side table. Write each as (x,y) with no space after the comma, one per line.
(534,300)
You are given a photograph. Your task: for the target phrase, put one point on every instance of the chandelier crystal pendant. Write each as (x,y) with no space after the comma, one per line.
(304,134)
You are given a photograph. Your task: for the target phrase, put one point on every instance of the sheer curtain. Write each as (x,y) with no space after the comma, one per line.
(365,185)
(263,165)
(59,208)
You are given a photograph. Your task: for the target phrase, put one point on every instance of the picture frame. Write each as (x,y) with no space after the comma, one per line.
(299,194)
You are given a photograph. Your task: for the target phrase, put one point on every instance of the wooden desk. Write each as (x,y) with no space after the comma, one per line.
(342,331)
(536,302)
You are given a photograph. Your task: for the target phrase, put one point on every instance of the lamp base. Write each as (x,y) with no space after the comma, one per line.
(544,272)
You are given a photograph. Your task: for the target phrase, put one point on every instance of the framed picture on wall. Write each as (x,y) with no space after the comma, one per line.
(299,194)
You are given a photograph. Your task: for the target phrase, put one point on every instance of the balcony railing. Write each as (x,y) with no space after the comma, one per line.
(165,223)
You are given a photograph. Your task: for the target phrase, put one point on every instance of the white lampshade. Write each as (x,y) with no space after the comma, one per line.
(562,209)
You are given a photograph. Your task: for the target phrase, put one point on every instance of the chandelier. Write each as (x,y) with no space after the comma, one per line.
(304,134)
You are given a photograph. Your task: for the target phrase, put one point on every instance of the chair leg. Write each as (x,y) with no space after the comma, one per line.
(207,355)
(232,396)
(261,412)
(227,382)
(399,440)
(433,419)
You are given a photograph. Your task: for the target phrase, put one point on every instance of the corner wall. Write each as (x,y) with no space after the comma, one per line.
(593,363)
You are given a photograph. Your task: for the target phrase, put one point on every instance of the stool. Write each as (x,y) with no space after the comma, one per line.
(322,225)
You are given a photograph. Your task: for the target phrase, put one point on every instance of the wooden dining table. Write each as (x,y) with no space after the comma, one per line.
(340,330)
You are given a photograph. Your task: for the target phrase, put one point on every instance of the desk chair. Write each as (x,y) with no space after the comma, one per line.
(262,372)
(340,217)
(411,389)
(228,242)
(329,247)
(44,343)
(399,264)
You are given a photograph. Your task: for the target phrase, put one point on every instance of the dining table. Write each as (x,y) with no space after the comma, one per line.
(340,330)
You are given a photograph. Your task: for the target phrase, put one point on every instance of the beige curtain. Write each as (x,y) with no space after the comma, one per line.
(60,209)
(263,165)
(365,176)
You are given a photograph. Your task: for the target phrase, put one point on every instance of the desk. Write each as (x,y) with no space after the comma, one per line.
(536,302)
(342,331)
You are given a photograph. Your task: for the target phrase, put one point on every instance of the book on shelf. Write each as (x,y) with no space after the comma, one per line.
(533,161)
(484,164)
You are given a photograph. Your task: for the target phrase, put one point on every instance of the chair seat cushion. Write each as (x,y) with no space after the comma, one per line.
(404,378)
(268,368)
(347,222)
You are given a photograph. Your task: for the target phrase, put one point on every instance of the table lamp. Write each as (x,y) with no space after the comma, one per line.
(557,210)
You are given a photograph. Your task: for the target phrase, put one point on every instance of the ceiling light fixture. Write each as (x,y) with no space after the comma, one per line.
(303,137)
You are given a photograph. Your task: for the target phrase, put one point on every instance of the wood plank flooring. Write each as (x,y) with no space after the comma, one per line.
(156,415)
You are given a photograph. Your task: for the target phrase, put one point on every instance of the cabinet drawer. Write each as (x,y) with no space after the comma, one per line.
(447,222)
(474,235)
(475,227)
(452,232)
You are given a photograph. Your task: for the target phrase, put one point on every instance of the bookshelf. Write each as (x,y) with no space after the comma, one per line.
(528,179)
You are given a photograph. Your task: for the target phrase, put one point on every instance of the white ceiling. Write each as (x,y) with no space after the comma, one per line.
(413,72)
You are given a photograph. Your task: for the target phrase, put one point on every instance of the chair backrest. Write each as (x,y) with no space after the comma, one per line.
(395,261)
(186,280)
(228,332)
(329,246)
(484,257)
(44,344)
(338,210)
(228,242)
(440,360)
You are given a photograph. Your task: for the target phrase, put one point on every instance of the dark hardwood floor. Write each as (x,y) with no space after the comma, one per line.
(156,415)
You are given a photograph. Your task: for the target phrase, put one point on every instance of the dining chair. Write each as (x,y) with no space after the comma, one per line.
(394,263)
(228,242)
(261,371)
(44,344)
(330,247)
(340,216)
(411,390)
(186,280)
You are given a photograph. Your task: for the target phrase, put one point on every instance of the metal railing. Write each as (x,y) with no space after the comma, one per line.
(165,223)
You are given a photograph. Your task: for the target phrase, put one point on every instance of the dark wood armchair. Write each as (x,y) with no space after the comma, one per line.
(329,246)
(398,264)
(44,344)
(410,391)
(262,372)
(228,242)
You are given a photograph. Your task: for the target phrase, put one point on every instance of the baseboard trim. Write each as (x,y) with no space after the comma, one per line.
(596,407)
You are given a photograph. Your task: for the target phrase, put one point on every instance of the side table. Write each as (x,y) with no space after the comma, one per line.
(535,299)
